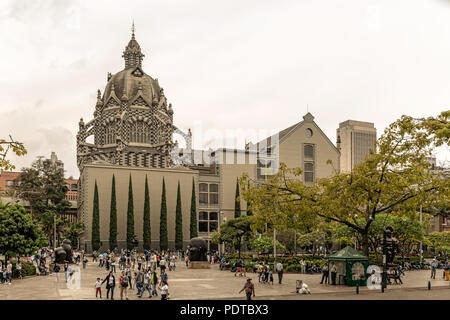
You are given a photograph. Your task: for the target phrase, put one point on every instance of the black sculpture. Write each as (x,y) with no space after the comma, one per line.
(135,241)
(197,249)
(392,245)
(64,254)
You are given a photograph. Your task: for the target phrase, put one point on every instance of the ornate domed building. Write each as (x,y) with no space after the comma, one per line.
(131,160)
(133,123)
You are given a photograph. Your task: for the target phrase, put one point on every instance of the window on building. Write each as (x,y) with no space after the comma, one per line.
(9,183)
(308,163)
(208,193)
(208,221)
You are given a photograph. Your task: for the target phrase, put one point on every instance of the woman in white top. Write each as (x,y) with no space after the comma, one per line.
(164,290)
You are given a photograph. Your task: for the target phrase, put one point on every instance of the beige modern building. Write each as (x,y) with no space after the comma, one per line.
(132,129)
(355,139)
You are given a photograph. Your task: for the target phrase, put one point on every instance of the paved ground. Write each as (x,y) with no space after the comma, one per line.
(215,284)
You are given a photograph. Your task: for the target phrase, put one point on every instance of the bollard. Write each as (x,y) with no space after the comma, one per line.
(429,285)
(357,289)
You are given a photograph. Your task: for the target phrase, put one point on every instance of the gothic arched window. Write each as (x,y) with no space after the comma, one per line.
(110,134)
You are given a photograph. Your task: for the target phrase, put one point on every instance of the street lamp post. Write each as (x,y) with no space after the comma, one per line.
(421,244)
(274,245)
(54,231)
(384,279)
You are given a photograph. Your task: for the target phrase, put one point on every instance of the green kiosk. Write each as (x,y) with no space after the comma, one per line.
(351,267)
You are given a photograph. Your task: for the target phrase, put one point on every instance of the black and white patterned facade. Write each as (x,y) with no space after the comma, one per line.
(133,123)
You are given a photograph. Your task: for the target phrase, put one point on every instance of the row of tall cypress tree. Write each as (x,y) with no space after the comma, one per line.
(163,240)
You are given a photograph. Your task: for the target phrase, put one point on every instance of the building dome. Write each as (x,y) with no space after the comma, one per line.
(129,81)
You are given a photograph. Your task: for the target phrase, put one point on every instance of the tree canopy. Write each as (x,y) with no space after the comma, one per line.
(395,178)
(19,233)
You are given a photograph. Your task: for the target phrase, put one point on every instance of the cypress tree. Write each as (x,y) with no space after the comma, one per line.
(249,210)
(147,228)
(163,239)
(178,222)
(95,221)
(193,225)
(130,217)
(113,217)
(237,202)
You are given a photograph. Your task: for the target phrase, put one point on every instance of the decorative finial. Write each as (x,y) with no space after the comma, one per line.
(132,30)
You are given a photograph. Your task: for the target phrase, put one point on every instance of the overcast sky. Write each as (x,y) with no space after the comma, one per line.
(226,65)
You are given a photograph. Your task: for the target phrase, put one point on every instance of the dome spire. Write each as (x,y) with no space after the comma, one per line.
(132,54)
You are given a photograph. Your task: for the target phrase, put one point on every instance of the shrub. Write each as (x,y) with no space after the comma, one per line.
(28,269)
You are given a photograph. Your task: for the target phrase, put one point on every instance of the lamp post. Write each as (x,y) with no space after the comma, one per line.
(274,246)
(384,278)
(421,244)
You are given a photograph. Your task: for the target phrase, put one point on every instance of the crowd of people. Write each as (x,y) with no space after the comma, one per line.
(137,272)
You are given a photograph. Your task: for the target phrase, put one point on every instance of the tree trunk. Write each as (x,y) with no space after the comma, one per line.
(365,243)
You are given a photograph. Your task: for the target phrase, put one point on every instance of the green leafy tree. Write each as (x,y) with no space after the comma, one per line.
(178,221)
(235,232)
(96,221)
(440,241)
(19,233)
(438,127)
(73,232)
(193,224)
(43,185)
(147,226)
(163,238)
(7,145)
(265,245)
(130,217)
(396,178)
(113,217)
(237,202)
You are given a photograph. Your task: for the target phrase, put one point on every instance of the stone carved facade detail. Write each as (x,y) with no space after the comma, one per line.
(133,123)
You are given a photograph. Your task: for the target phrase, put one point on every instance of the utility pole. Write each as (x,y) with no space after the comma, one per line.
(54,231)
(295,242)
(384,278)
(274,246)
(420,245)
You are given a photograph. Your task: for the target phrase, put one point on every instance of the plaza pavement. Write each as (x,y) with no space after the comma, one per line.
(212,283)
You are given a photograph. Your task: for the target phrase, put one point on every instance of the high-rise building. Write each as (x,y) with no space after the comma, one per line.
(355,139)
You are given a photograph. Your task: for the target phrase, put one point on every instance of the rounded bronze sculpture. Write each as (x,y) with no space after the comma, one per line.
(63,254)
(197,249)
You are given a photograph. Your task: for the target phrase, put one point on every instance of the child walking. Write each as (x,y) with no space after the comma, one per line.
(98,288)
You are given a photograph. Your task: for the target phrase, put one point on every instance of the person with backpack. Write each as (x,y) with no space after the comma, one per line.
(124,282)
(154,283)
(110,285)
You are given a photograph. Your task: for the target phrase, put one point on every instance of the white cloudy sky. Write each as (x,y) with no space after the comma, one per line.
(223,64)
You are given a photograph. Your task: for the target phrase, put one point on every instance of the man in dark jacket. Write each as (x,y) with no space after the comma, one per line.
(110,284)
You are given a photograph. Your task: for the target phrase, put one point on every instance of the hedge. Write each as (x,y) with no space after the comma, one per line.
(28,269)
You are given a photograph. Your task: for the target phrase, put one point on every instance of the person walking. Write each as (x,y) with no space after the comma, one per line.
(447,270)
(9,271)
(333,274)
(434,265)
(279,269)
(154,283)
(110,284)
(164,290)
(303,266)
(124,282)
(19,268)
(249,289)
(324,274)
(98,288)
